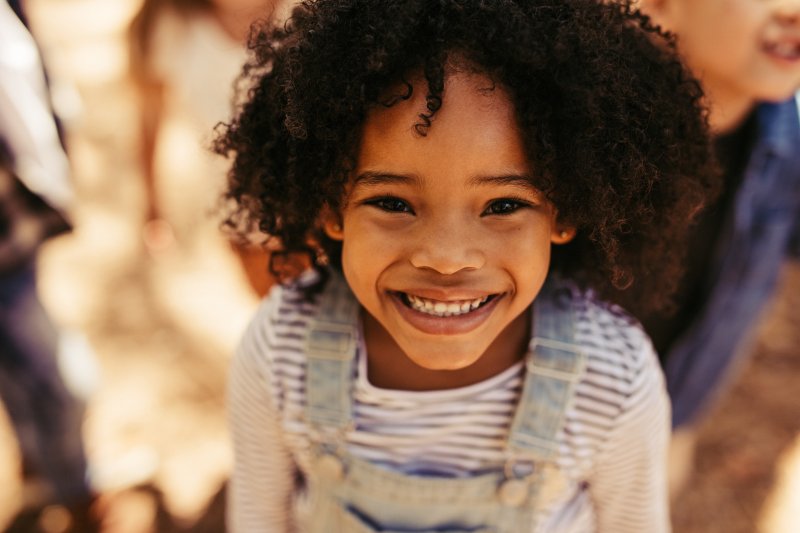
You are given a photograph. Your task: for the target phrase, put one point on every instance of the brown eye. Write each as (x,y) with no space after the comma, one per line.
(503,206)
(390,204)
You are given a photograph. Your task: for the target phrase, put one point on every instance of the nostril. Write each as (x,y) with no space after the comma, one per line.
(446,258)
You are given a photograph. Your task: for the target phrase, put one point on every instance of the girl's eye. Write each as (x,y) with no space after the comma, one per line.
(390,204)
(504,206)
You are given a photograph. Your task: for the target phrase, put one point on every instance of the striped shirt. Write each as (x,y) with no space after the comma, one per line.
(612,446)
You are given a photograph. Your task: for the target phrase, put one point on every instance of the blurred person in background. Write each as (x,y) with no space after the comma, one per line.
(35,194)
(746,54)
(187,54)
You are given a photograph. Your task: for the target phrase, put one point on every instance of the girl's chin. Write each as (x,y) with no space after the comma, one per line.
(448,363)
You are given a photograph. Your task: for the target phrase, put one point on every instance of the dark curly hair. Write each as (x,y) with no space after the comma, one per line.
(610,119)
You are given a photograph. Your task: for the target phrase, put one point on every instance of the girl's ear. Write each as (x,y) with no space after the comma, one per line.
(332,224)
(562,234)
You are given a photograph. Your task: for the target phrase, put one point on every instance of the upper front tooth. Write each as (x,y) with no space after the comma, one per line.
(785,49)
(445,308)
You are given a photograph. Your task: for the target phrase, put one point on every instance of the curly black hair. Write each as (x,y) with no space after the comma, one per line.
(610,119)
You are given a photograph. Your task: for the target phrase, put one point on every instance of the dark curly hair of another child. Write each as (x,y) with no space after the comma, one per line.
(611,121)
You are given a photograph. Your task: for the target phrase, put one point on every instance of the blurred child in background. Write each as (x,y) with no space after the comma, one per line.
(746,54)
(35,194)
(185,57)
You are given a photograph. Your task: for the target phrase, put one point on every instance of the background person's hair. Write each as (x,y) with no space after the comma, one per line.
(610,119)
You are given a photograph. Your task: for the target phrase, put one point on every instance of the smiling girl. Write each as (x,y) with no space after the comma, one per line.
(469,180)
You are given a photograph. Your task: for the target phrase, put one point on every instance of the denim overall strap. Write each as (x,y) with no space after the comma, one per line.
(554,364)
(330,351)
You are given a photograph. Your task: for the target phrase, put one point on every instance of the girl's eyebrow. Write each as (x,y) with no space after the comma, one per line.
(517,180)
(373,178)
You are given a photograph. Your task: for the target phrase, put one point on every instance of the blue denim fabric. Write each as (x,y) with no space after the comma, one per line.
(46,416)
(758,234)
(554,365)
(331,345)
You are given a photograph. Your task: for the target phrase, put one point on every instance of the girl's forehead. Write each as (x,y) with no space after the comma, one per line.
(472,134)
(405,105)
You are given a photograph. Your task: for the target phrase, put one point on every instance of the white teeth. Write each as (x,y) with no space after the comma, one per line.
(439,308)
(785,50)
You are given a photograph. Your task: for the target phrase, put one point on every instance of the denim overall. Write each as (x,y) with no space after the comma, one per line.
(350,495)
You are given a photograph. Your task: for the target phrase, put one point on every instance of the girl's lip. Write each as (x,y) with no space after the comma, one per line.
(445,325)
(783,50)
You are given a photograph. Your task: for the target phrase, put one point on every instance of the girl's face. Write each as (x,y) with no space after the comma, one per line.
(745,47)
(445,241)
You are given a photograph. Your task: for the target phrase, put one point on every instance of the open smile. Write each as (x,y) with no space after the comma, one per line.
(445,317)
(441,308)
(787,50)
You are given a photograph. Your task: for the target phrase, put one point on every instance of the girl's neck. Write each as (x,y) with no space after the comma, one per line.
(728,107)
(388,367)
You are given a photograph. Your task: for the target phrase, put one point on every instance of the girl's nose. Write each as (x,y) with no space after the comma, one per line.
(448,251)
(788,11)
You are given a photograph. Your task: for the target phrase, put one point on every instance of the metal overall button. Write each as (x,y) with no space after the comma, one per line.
(330,468)
(513,492)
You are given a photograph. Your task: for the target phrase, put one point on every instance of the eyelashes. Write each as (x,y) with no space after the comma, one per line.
(496,207)
(390,204)
(505,206)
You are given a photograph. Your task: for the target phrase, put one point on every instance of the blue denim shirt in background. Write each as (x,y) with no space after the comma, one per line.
(759,232)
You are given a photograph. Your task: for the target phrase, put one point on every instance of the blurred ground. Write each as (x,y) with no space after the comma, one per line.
(163,327)
(747,471)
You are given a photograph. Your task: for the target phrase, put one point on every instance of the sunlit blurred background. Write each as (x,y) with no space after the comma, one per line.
(160,322)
